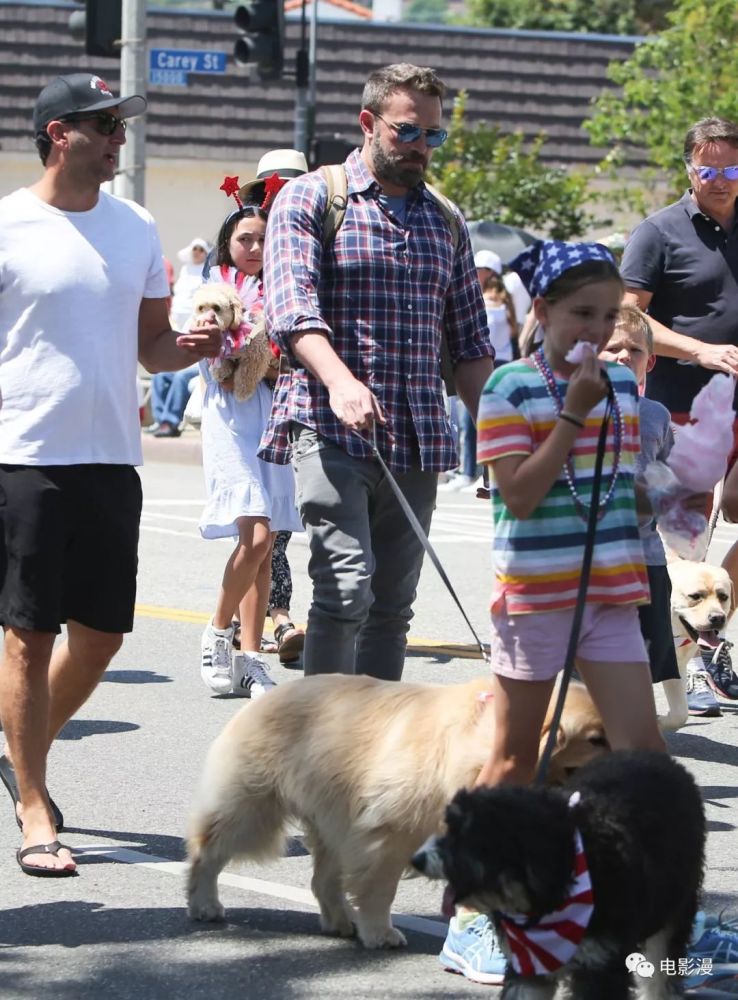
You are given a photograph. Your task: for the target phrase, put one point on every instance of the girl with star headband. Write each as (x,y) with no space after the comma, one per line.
(539,423)
(248,500)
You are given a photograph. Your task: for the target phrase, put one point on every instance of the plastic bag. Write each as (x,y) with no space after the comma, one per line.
(684,531)
(702,447)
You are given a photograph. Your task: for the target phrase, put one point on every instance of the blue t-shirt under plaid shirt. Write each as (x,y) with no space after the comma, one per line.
(382,292)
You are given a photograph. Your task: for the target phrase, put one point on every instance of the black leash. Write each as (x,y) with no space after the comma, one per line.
(576,624)
(418,529)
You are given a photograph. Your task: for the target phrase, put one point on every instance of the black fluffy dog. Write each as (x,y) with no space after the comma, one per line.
(511,850)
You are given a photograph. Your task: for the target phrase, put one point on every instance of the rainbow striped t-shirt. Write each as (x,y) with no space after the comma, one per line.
(537,561)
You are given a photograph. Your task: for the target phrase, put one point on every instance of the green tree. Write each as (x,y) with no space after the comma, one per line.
(685,73)
(491,175)
(602,16)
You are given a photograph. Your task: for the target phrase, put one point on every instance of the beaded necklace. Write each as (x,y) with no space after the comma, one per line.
(613,406)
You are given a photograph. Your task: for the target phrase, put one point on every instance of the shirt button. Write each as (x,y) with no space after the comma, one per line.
(717,229)
(410,306)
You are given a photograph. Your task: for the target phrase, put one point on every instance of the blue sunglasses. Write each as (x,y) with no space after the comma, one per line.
(710,173)
(407,132)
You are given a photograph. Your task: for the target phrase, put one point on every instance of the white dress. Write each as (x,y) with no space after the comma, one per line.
(238,483)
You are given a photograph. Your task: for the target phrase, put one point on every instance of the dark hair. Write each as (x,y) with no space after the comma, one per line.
(223,239)
(706,131)
(633,320)
(43,145)
(583,274)
(384,82)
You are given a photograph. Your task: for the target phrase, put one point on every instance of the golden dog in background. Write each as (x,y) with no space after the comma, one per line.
(367,768)
(702,601)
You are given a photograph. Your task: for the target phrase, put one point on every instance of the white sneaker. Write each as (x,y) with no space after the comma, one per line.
(216,662)
(251,678)
(455,484)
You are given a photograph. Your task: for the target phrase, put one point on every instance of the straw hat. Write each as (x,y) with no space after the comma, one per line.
(286,163)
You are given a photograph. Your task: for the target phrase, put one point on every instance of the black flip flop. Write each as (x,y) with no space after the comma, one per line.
(53,848)
(7,776)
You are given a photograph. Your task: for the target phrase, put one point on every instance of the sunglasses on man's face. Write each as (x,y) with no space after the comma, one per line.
(710,173)
(407,132)
(103,122)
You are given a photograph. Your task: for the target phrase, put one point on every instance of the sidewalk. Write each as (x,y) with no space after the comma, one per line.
(184,450)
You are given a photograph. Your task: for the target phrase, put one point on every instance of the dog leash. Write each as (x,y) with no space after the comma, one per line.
(418,529)
(576,624)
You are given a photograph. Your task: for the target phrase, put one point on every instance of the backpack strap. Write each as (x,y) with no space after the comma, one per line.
(446,209)
(334,175)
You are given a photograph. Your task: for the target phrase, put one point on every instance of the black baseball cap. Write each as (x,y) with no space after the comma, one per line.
(77,93)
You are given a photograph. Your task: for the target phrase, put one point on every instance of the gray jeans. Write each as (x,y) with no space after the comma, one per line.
(365,558)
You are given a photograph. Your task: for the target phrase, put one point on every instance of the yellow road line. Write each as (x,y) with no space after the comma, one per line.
(465,651)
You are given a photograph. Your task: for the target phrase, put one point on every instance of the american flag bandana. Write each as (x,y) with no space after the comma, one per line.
(553,941)
(544,261)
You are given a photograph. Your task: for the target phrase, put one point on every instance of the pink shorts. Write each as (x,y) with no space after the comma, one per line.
(533,647)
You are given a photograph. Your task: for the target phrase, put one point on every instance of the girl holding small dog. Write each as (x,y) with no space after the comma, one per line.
(539,421)
(246,497)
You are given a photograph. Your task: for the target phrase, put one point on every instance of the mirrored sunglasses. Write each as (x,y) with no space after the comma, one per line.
(103,122)
(710,173)
(407,132)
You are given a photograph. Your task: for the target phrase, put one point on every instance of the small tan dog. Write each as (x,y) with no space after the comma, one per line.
(702,601)
(246,354)
(367,768)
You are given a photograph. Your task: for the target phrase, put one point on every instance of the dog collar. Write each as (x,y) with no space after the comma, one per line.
(543,947)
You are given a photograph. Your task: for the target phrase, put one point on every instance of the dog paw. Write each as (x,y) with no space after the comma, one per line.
(342,926)
(208,911)
(387,937)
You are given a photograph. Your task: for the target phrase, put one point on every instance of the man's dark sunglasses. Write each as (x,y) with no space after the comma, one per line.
(103,121)
(407,132)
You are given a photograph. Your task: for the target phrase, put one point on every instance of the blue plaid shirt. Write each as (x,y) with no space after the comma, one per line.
(382,292)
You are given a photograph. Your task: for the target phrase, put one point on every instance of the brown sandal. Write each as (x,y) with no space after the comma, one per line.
(290,641)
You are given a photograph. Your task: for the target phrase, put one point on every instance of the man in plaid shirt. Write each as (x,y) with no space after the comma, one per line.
(360,320)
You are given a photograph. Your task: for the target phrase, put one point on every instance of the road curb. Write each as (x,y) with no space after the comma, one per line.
(184,450)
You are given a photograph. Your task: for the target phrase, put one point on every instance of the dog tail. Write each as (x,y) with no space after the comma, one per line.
(238,811)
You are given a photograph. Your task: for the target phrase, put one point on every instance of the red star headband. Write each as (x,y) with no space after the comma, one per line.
(272,186)
(230,185)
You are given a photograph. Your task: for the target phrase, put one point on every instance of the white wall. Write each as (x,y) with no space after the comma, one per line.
(182,195)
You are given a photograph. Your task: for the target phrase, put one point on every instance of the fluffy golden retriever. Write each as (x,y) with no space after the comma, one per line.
(246,355)
(702,602)
(367,768)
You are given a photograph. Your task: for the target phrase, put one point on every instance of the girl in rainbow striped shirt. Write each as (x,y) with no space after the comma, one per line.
(538,425)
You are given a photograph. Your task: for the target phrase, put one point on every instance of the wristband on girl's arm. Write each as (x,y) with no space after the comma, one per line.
(571,419)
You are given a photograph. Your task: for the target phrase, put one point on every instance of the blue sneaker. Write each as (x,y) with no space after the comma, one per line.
(717,943)
(474,951)
(700,699)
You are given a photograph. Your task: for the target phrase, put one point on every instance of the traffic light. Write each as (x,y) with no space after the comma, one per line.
(99,26)
(261,23)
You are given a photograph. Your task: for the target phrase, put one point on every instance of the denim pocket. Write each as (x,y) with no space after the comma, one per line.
(304,441)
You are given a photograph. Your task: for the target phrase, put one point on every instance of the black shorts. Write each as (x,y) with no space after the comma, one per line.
(656,627)
(69,546)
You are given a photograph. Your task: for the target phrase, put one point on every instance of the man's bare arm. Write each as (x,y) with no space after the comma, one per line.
(161,349)
(669,344)
(351,401)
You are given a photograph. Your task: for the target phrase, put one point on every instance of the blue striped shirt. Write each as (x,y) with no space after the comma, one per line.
(382,292)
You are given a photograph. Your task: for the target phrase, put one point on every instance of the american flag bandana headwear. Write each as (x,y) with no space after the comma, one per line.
(544,261)
(554,939)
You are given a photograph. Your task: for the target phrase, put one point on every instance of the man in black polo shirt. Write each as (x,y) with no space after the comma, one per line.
(681,266)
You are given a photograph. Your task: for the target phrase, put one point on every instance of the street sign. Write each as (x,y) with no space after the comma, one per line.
(170,67)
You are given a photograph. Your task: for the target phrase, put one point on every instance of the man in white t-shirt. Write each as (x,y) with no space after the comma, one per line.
(83,294)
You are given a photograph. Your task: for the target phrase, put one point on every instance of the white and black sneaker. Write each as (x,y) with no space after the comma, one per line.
(251,678)
(216,661)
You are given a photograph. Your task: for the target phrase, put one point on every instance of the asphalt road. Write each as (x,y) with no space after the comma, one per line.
(123,773)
